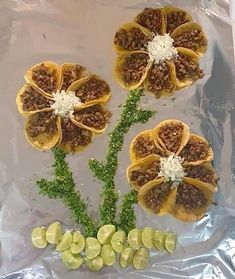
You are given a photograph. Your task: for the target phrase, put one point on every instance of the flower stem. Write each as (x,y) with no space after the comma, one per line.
(106,171)
(62,186)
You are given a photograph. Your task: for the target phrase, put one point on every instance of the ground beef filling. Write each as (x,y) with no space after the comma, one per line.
(156,196)
(143,176)
(159,79)
(73,135)
(171,135)
(133,39)
(201,173)
(134,67)
(151,19)
(95,116)
(71,74)
(195,150)
(145,146)
(187,68)
(42,122)
(45,78)
(93,89)
(33,100)
(190,197)
(175,19)
(190,39)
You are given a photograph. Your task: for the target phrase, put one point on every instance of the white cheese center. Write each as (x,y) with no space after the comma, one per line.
(161,48)
(171,168)
(64,103)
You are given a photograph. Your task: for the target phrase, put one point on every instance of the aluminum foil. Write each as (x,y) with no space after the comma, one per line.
(82,31)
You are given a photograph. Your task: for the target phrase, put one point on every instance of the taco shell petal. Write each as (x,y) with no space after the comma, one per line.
(172,82)
(195,75)
(53,69)
(71,72)
(196,151)
(124,75)
(22,108)
(80,115)
(141,165)
(187,28)
(154,147)
(127,27)
(173,10)
(166,204)
(42,140)
(166,144)
(82,83)
(195,214)
(149,12)
(70,135)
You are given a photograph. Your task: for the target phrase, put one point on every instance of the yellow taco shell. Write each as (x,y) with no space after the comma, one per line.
(188,27)
(52,67)
(19,102)
(169,9)
(146,134)
(185,135)
(118,70)
(75,86)
(44,141)
(192,215)
(194,57)
(79,124)
(141,164)
(210,155)
(166,205)
(163,92)
(128,26)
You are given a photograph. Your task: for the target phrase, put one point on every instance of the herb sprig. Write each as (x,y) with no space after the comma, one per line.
(62,186)
(106,171)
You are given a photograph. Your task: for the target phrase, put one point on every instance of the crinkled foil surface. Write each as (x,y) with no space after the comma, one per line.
(82,31)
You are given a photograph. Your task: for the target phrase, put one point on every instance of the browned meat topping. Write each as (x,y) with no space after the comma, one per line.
(73,135)
(190,197)
(45,78)
(134,67)
(195,150)
(175,19)
(95,116)
(171,135)
(187,68)
(33,100)
(201,173)
(42,122)
(93,89)
(133,39)
(157,195)
(159,79)
(190,39)
(145,146)
(142,176)
(71,74)
(151,19)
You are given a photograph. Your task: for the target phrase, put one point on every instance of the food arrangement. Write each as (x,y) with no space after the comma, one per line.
(103,250)
(64,106)
(172,171)
(159,50)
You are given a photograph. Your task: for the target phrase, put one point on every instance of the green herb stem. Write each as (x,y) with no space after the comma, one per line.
(106,171)
(62,187)
(127,218)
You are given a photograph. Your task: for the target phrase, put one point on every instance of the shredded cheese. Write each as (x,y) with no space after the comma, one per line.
(171,168)
(64,103)
(161,48)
